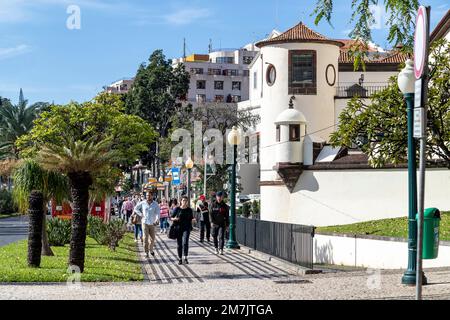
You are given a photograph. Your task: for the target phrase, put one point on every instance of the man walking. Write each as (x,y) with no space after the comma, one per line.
(149,211)
(203,216)
(220,221)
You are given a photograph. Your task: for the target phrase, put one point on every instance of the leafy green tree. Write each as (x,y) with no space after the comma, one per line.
(82,141)
(379,128)
(156,96)
(401,22)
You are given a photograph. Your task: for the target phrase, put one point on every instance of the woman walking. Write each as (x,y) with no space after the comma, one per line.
(163,215)
(183,218)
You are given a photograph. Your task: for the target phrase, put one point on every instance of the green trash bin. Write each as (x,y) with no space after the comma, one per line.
(431,221)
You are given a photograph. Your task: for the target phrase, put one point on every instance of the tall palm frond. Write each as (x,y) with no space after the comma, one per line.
(79,156)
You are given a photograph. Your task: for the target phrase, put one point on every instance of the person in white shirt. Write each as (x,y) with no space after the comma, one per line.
(149,211)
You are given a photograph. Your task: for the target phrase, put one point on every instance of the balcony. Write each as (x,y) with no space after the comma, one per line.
(365,90)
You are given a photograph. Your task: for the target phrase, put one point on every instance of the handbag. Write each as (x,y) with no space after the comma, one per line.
(174,230)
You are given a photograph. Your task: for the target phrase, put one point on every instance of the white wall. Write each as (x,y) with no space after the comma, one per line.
(370,78)
(336,197)
(358,252)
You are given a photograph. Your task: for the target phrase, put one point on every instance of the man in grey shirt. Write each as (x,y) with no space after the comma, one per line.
(149,211)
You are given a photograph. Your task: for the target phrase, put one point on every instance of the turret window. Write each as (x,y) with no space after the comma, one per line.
(278,133)
(294,132)
(302,72)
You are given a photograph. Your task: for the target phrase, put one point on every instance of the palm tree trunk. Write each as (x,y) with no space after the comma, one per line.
(79,184)
(46,250)
(35,229)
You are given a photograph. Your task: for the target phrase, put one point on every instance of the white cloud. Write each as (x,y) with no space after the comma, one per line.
(187,16)
(6,53)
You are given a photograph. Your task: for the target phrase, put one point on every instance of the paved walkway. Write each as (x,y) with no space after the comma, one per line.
(237,275)
(13,229)
(204,265)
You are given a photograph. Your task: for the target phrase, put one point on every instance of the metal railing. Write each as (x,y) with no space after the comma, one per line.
(350,91)
(290,242)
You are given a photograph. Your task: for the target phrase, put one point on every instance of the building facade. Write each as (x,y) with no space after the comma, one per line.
(218,77)
(300,81)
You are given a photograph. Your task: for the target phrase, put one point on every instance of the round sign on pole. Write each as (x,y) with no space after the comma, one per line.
(420,45)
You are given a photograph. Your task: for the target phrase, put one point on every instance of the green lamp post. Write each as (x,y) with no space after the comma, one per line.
(406,82)
(234,139)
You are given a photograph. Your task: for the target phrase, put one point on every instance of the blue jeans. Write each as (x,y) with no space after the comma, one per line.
(137,230)
(164,223)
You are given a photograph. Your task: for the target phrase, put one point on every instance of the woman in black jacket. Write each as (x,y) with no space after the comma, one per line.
(183,217)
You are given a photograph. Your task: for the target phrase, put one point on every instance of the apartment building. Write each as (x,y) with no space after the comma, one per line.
(219,77)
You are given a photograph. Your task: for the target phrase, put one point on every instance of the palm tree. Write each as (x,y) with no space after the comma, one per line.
(28,176)
(15,121)
(35,230)
(80,161)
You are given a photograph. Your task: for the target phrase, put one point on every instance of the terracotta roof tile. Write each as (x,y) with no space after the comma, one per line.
(299,33)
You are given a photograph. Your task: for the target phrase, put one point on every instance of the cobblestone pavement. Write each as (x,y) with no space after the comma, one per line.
(235,275)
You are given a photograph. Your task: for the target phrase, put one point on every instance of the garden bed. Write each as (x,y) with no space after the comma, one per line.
(102,264)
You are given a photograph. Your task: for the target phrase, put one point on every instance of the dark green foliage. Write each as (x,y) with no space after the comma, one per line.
(380,128)
(108,234)
(246,209)
(59,231)
(256,208)
(7,203)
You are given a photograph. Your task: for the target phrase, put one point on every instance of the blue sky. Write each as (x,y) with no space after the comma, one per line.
(53,63)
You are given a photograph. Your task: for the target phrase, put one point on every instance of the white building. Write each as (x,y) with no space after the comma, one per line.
(300,81)
(120,86)
(220,76)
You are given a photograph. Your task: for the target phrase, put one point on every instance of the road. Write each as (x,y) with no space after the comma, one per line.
(13,229)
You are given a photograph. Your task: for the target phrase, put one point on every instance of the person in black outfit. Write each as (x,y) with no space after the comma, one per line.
(220,221)
(183,217)
(203,214)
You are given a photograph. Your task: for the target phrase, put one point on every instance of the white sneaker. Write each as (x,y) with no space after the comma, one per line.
(217,251)
(221,252)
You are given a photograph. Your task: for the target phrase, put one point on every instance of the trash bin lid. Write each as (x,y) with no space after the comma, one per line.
(430,213)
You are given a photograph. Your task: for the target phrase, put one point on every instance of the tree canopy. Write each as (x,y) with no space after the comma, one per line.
(380,126)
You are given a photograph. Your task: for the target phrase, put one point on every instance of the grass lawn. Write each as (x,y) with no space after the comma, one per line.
(101,265)
(397,228)
(3,216)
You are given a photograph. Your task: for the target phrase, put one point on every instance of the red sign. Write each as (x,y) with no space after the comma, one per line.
(420,42)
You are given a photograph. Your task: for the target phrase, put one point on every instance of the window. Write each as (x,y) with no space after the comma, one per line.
(219,98)
(236,85)
(230,72)
(245,73)
(271,75)
(294,132)
(224,60)
(201,84)
(196,71)
(218,85)
(215,72)
(201,98)
(248,59)
(302,72)
(278,133)
(236,99)
(255,80)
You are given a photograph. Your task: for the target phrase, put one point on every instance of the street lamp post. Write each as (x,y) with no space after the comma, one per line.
(189,165)
(406,81)
(234,139)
